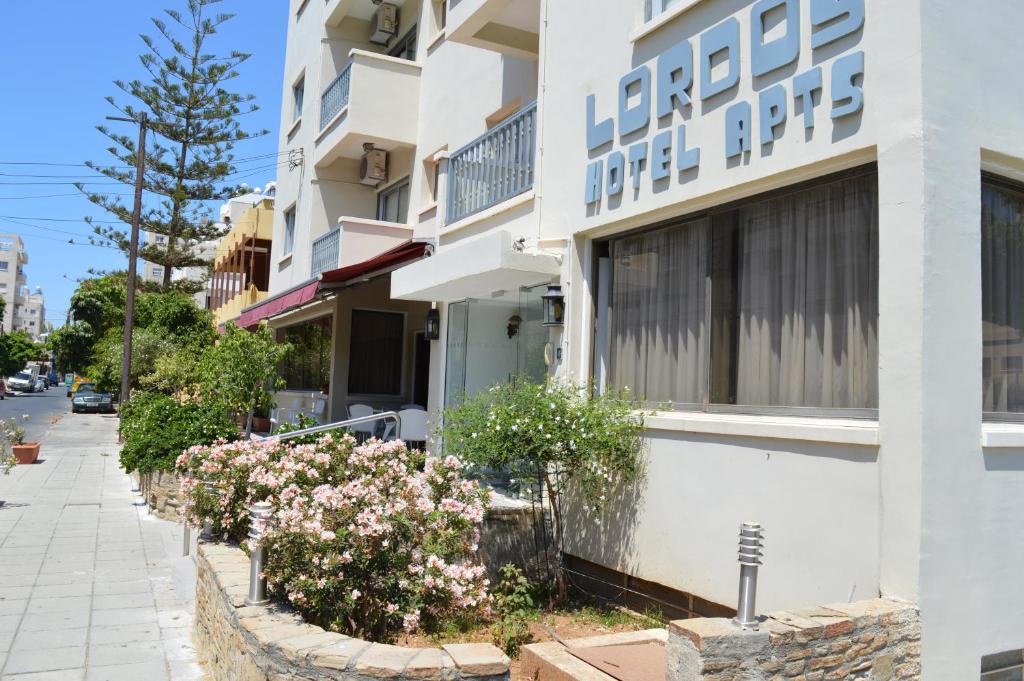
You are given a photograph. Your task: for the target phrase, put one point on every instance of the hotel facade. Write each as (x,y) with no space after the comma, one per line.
(794,227)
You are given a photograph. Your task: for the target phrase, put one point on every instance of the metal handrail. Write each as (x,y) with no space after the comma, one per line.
(393,415)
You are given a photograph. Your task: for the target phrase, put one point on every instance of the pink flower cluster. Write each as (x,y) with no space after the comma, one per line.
(368,540)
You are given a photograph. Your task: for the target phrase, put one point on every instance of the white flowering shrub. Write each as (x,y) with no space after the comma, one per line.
(366,540)
(562,437)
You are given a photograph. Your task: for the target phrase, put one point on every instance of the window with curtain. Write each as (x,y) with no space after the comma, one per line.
(375,353)
(308,365)
(1002,296)
(769,304)
(289,230)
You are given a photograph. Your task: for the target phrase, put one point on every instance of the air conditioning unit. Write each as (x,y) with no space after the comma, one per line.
(374,168)
(384,24)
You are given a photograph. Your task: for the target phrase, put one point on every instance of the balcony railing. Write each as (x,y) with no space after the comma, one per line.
(325,252)
(494,167)
(335,97)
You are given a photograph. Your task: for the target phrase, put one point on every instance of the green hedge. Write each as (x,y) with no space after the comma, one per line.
(156,429)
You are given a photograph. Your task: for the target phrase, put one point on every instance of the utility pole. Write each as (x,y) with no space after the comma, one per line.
(133,256)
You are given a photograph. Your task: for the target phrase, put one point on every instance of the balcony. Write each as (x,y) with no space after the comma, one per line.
(510,27)
(325,253)
(493,168)
(337,10)
(231,309)
(362,239)
(374,99)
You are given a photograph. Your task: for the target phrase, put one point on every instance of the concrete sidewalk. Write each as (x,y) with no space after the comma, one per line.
(92,588)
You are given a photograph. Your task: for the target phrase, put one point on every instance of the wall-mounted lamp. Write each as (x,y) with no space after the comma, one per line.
(513,325)
(432,325)
(554,306)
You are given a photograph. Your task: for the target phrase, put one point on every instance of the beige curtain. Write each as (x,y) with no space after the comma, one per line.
(659,347)
(1002,298)
(807,298)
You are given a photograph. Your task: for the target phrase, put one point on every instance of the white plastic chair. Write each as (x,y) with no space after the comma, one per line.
(414,426)
(415,407)
(363,430)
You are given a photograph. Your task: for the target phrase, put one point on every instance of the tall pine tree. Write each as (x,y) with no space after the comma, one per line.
(193,128)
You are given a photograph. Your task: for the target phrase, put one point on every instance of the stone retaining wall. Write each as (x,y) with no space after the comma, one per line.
(162,492)
(272,643)
(878,640)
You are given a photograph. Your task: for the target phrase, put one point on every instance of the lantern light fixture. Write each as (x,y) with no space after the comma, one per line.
(432,325)
(554,306)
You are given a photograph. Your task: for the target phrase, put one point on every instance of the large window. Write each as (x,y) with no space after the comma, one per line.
(375,353)
(1002,296)
(298,95)
(308,365)
(772,303)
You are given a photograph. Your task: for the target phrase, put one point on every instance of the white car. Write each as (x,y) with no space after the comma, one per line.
(21,382)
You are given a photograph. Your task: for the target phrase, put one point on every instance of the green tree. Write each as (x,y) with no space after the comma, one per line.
(17,349)
(100,302)
(148,345)
(176,313)
(241,368)
(192,116)
(558,439)
(71,346)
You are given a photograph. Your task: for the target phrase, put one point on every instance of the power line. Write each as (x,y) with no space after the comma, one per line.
(49,196)
(23,217)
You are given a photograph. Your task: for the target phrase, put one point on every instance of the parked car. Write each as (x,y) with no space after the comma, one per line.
(53,377)
(40,385)
(22,382)
(87,398)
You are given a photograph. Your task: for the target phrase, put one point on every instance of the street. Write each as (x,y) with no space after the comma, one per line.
(91,586)
(42,408)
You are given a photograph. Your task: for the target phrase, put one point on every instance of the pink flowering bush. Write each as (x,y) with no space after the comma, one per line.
(367,540)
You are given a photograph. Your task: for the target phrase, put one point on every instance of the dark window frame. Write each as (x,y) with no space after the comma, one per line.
(398,378)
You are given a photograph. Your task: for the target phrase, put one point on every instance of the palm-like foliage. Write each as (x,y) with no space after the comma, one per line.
(193,120)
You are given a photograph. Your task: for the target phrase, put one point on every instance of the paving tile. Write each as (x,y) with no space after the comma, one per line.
(44,660)
(57,638)
(43,621)
(12,607)
(61,675)
(124,633)
(115,601)
(124,616)
(150,671)
(61,604)
(132,652)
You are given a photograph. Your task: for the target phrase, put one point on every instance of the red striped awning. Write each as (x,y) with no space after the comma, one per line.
(278,304)
(300,295)
(378,264)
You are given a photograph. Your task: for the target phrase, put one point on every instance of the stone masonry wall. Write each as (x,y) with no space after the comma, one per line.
(876,640)
(161,489)
(272,643)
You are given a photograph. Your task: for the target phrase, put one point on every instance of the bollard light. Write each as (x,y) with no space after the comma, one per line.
(750,554)
(259,515)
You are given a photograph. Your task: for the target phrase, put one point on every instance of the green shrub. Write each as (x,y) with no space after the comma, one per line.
(156,429)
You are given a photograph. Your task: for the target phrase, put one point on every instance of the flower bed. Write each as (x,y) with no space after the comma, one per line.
(367,541)
(260,643)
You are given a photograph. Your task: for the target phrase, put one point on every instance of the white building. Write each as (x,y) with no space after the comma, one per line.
(795,223)
(23,310)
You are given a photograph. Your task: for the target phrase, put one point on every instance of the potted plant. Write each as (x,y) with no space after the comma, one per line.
(14,432)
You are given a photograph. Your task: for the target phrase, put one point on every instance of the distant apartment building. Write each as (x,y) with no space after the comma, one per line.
(24,310)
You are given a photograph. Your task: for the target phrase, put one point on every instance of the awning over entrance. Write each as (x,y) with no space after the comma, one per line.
(474,269)
(299,295)
(379,264)
(331,280)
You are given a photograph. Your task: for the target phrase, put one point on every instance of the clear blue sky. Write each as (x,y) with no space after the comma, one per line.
(57,63)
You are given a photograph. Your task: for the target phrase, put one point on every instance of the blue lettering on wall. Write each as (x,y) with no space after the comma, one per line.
(712,62)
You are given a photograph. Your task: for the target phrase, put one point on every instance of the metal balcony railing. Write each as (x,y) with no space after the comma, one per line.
(335,97)
(325,252)
(494,167)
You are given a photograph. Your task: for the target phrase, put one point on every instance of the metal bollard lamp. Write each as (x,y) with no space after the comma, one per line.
(750,554)
(259,515)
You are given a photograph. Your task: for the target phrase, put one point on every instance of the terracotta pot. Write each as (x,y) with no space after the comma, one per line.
(26,453)
(260,424)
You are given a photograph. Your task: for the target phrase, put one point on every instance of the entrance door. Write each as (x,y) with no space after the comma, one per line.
(421,371)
